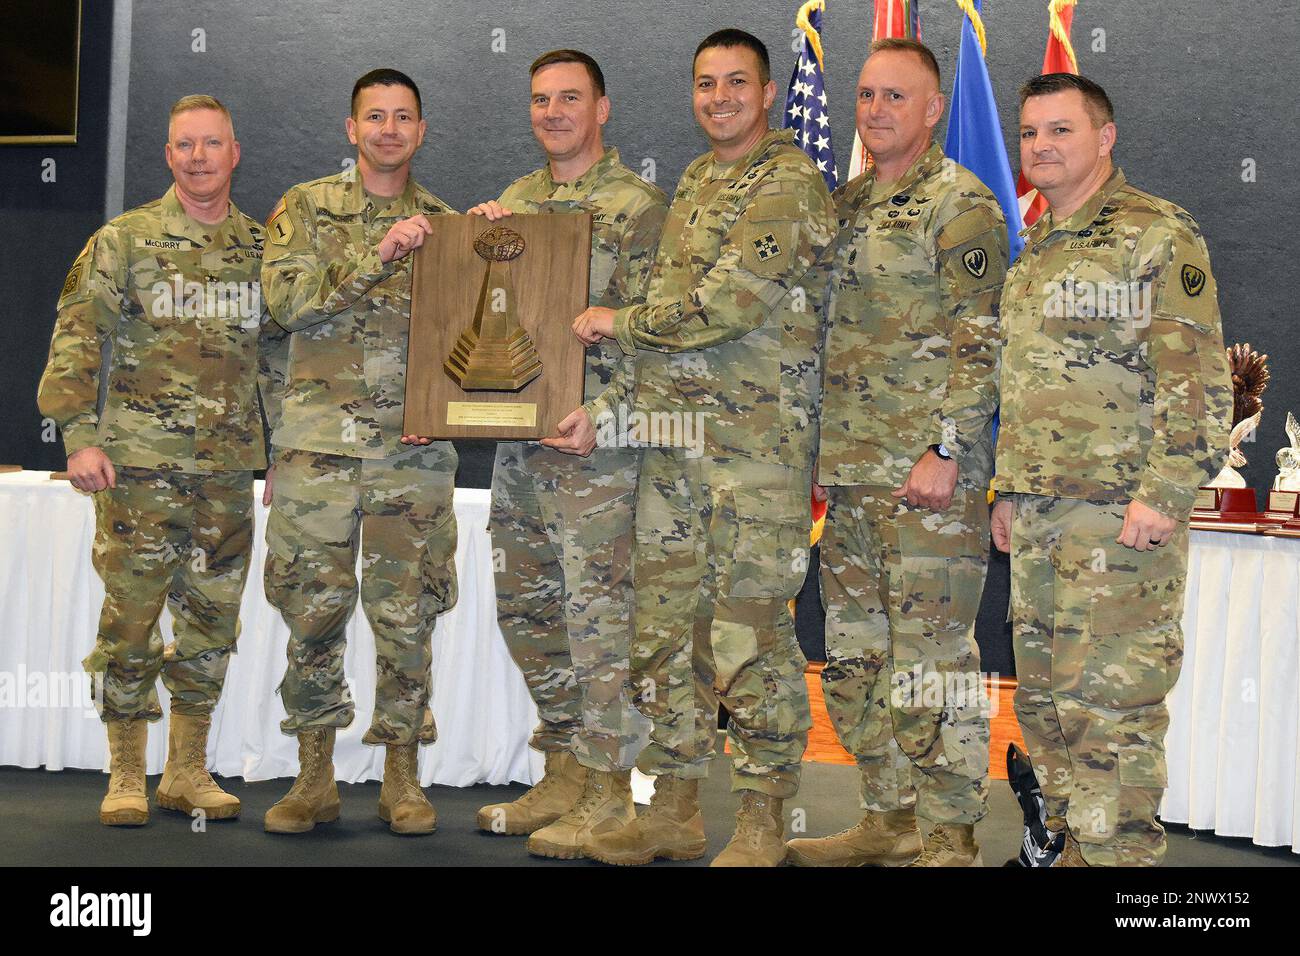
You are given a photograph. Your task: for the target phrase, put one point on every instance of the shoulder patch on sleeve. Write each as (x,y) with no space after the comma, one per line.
(976,261)
(279,227)
(1193,280)
(73,281)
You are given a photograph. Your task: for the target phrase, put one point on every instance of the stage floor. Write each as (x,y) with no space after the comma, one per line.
(51,819)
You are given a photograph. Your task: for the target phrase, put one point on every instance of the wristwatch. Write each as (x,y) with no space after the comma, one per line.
(942,452)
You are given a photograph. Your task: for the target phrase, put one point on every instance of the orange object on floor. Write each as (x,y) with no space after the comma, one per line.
(824,746)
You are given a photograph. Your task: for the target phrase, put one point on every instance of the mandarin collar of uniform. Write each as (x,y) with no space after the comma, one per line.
(400,206)
(1082,217)
(581,185)
(922,166)
(177,222)
(771,139)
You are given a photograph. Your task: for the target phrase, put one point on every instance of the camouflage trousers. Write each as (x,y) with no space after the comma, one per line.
(180,538)
(562,543)
(1098,642)
(400,509)
(721,547)
(901,586)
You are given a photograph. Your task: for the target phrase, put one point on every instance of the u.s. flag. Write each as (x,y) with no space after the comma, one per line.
(805,102)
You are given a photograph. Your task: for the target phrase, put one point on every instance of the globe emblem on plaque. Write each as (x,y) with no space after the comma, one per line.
(495,353)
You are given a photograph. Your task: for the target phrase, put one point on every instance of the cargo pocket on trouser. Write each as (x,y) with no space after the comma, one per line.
(937,693)
(282,575)
(770,558)
(757,658)
(438,570)
(1132,659)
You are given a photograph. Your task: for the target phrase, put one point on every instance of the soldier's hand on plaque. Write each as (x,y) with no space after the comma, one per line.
(930,483)
(593,325)
(1000,523)
(1145,529)
(490,210)
(267,484)
(416,440)
(576,434)
(403,237)
(90,470)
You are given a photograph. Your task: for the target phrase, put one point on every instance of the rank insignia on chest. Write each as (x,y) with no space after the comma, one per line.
(900,200)
(976,262)
(766,247)
(1193,280)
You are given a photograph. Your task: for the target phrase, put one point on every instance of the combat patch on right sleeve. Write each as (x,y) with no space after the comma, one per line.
(279,228)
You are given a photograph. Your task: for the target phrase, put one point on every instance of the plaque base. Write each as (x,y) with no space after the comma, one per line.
(1234,509)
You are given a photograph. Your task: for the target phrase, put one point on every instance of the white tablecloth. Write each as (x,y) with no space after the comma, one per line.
(50,597)
(1234,729)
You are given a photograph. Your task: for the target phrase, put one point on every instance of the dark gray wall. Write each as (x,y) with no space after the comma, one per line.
(43,226)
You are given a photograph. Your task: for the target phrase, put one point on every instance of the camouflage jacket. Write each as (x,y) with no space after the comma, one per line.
(730,330)
(182,303)
(1115,384)
(912,340)
(627,217)
(334,358)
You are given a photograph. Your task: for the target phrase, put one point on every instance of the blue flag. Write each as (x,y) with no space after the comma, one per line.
(975,134)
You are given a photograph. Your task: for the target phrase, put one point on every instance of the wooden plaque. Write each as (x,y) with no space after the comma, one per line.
(545,287)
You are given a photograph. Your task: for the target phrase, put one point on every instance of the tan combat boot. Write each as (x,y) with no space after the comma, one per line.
(125,804)
(402,804)
(548,799)
(760,826)
(186,784)
(671,828)
(606,799)
(314,796)
(1072,855)
(880,839)
(950,844)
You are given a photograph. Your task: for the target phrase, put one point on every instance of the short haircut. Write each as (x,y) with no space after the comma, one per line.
(731,37)
(1094,97)
(386,77)
(572,56)
(199,101)
(908,45)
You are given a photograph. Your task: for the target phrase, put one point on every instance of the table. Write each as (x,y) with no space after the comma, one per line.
(49,608)
(1234,728)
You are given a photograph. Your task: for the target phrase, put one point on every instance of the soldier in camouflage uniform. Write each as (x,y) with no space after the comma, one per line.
(337,279)
(727,348)
(563,524)
(1116,401)
(170,461)
(909,391)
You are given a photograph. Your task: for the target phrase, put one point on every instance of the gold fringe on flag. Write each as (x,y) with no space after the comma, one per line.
(1057,28)
(814,38)
(968,8)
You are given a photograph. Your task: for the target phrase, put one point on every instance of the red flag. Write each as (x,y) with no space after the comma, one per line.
(1059,58)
